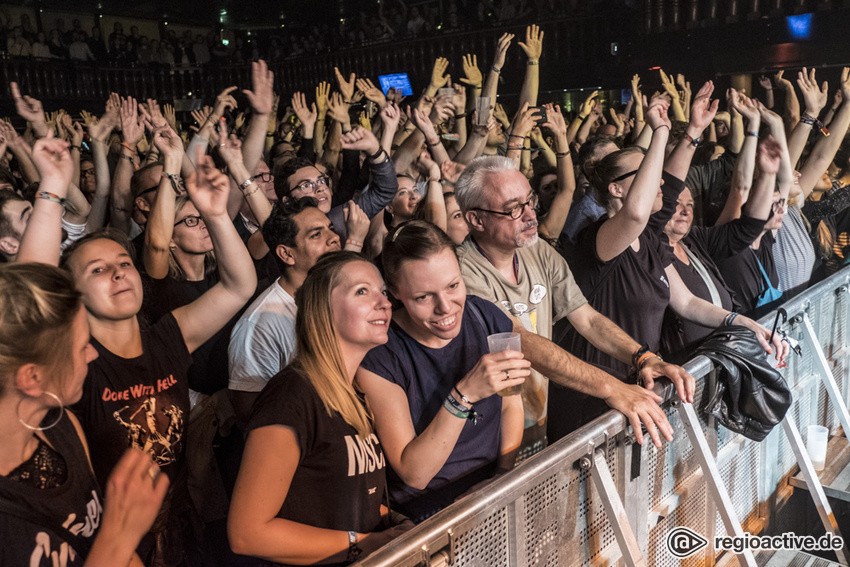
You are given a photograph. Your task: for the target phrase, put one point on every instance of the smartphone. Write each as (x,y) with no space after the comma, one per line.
(541,117)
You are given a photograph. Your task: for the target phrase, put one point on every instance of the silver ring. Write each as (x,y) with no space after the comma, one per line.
(154,473)
(507,375)
(222,145)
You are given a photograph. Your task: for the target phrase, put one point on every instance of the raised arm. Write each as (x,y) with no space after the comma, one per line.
(618,232)
(323,91)
(703,111)
(826,147)
(160,226)
(261,98)
(202,318)
(675,103)
(439,78)
(768,91)
(533,48)
(742,175)
(133,129)
(553,223)
(792,105)
(43,235)
(492,84)
(99,131)
(30,110)
(815,99)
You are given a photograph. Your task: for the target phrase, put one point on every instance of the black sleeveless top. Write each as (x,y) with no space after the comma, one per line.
(76,503)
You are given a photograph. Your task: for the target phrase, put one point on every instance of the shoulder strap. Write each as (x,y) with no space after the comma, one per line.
(476,313)
(80,545)
(767,284)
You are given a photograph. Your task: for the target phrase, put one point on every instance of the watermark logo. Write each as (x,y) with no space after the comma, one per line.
(683,542)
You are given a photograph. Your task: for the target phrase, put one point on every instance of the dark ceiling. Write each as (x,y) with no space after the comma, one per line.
(240,13)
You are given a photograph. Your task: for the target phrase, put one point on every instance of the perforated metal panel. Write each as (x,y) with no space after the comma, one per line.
(486,544)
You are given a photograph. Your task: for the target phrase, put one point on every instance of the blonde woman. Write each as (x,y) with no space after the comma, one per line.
(312,478)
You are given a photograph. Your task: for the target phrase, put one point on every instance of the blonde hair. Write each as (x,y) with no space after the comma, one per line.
(38,304)
(318,357)
(175,271)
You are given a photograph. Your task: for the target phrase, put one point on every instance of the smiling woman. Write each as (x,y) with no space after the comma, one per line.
(433,386)
(312,477)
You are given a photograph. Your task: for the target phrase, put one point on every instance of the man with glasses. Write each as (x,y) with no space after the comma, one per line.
(504,261)
(301,178)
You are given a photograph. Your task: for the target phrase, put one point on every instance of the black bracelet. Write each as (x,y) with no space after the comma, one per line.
(561,154)
(495,69)
(377,154)
(460,115)
(644,348)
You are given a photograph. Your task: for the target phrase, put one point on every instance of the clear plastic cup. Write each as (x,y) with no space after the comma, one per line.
(816,445)
(501,342)
(482,110)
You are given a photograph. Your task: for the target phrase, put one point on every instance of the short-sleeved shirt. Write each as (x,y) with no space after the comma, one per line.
(427,375)
(545,292)
(793,251)
(340,479)
(263,340)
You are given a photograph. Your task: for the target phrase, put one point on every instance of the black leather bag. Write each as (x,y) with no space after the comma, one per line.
(750,396)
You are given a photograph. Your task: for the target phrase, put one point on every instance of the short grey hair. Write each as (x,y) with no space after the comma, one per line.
(470,189)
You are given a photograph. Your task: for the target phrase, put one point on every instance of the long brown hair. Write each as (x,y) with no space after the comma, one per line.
(318,357)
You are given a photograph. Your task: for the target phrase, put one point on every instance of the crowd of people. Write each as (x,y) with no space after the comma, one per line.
(277,317)
(390,21)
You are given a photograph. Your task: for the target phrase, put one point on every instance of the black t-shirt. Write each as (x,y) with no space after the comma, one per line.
(632,289)
(710,245)
(340,480)
(76,503)
(141,402)
(745,279)
(208,373)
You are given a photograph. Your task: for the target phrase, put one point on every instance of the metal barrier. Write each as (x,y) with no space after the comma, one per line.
(546,513)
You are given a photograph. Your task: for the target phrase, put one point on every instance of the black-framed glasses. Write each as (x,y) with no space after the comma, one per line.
(191,221)
(86,172)
(779,206)
(516,211)
(265,177)
(309,187)
(624,176)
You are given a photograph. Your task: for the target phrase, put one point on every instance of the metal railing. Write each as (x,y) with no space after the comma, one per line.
(548,512)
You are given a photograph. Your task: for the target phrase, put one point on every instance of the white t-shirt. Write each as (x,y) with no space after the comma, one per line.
(263,340)
(74,232)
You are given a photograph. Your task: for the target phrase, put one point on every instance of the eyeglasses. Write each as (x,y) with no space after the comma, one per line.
(624,176)
(265,177)
(87,172)
(308,187)
(515,211)
(779,206)
(191,221)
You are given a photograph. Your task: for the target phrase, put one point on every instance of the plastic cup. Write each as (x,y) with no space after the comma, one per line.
(446,91)
(501,342)
(816,446)
(482,109)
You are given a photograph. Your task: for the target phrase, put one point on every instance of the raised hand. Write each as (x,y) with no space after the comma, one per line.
(168,142)
(201,116)
(702,109)
(588,104)
(224,102)
(771,119)
(208,187)
(450,171)
(533,45)
(472,75)
(656,114)
(169,115)
(306,114)
(323,90)
(438,73)
(500,114)
(391,115)
(337,109)
(502,49)
(781,82)
(27,107)
(371,92)
(747,108)
(668,84)
(459,98)
(555,120)
(814,98)
(769,155)
(132,125)
(524,122)
(443,109)
(229,148)
(356,221)
(99,130)
(262,84)
(765,83)
(53,161)
(345,87)
(360,139)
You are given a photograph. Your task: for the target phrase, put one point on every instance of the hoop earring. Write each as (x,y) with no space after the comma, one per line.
(46,427)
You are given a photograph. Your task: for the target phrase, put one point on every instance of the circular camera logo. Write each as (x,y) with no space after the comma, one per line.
(683,542)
